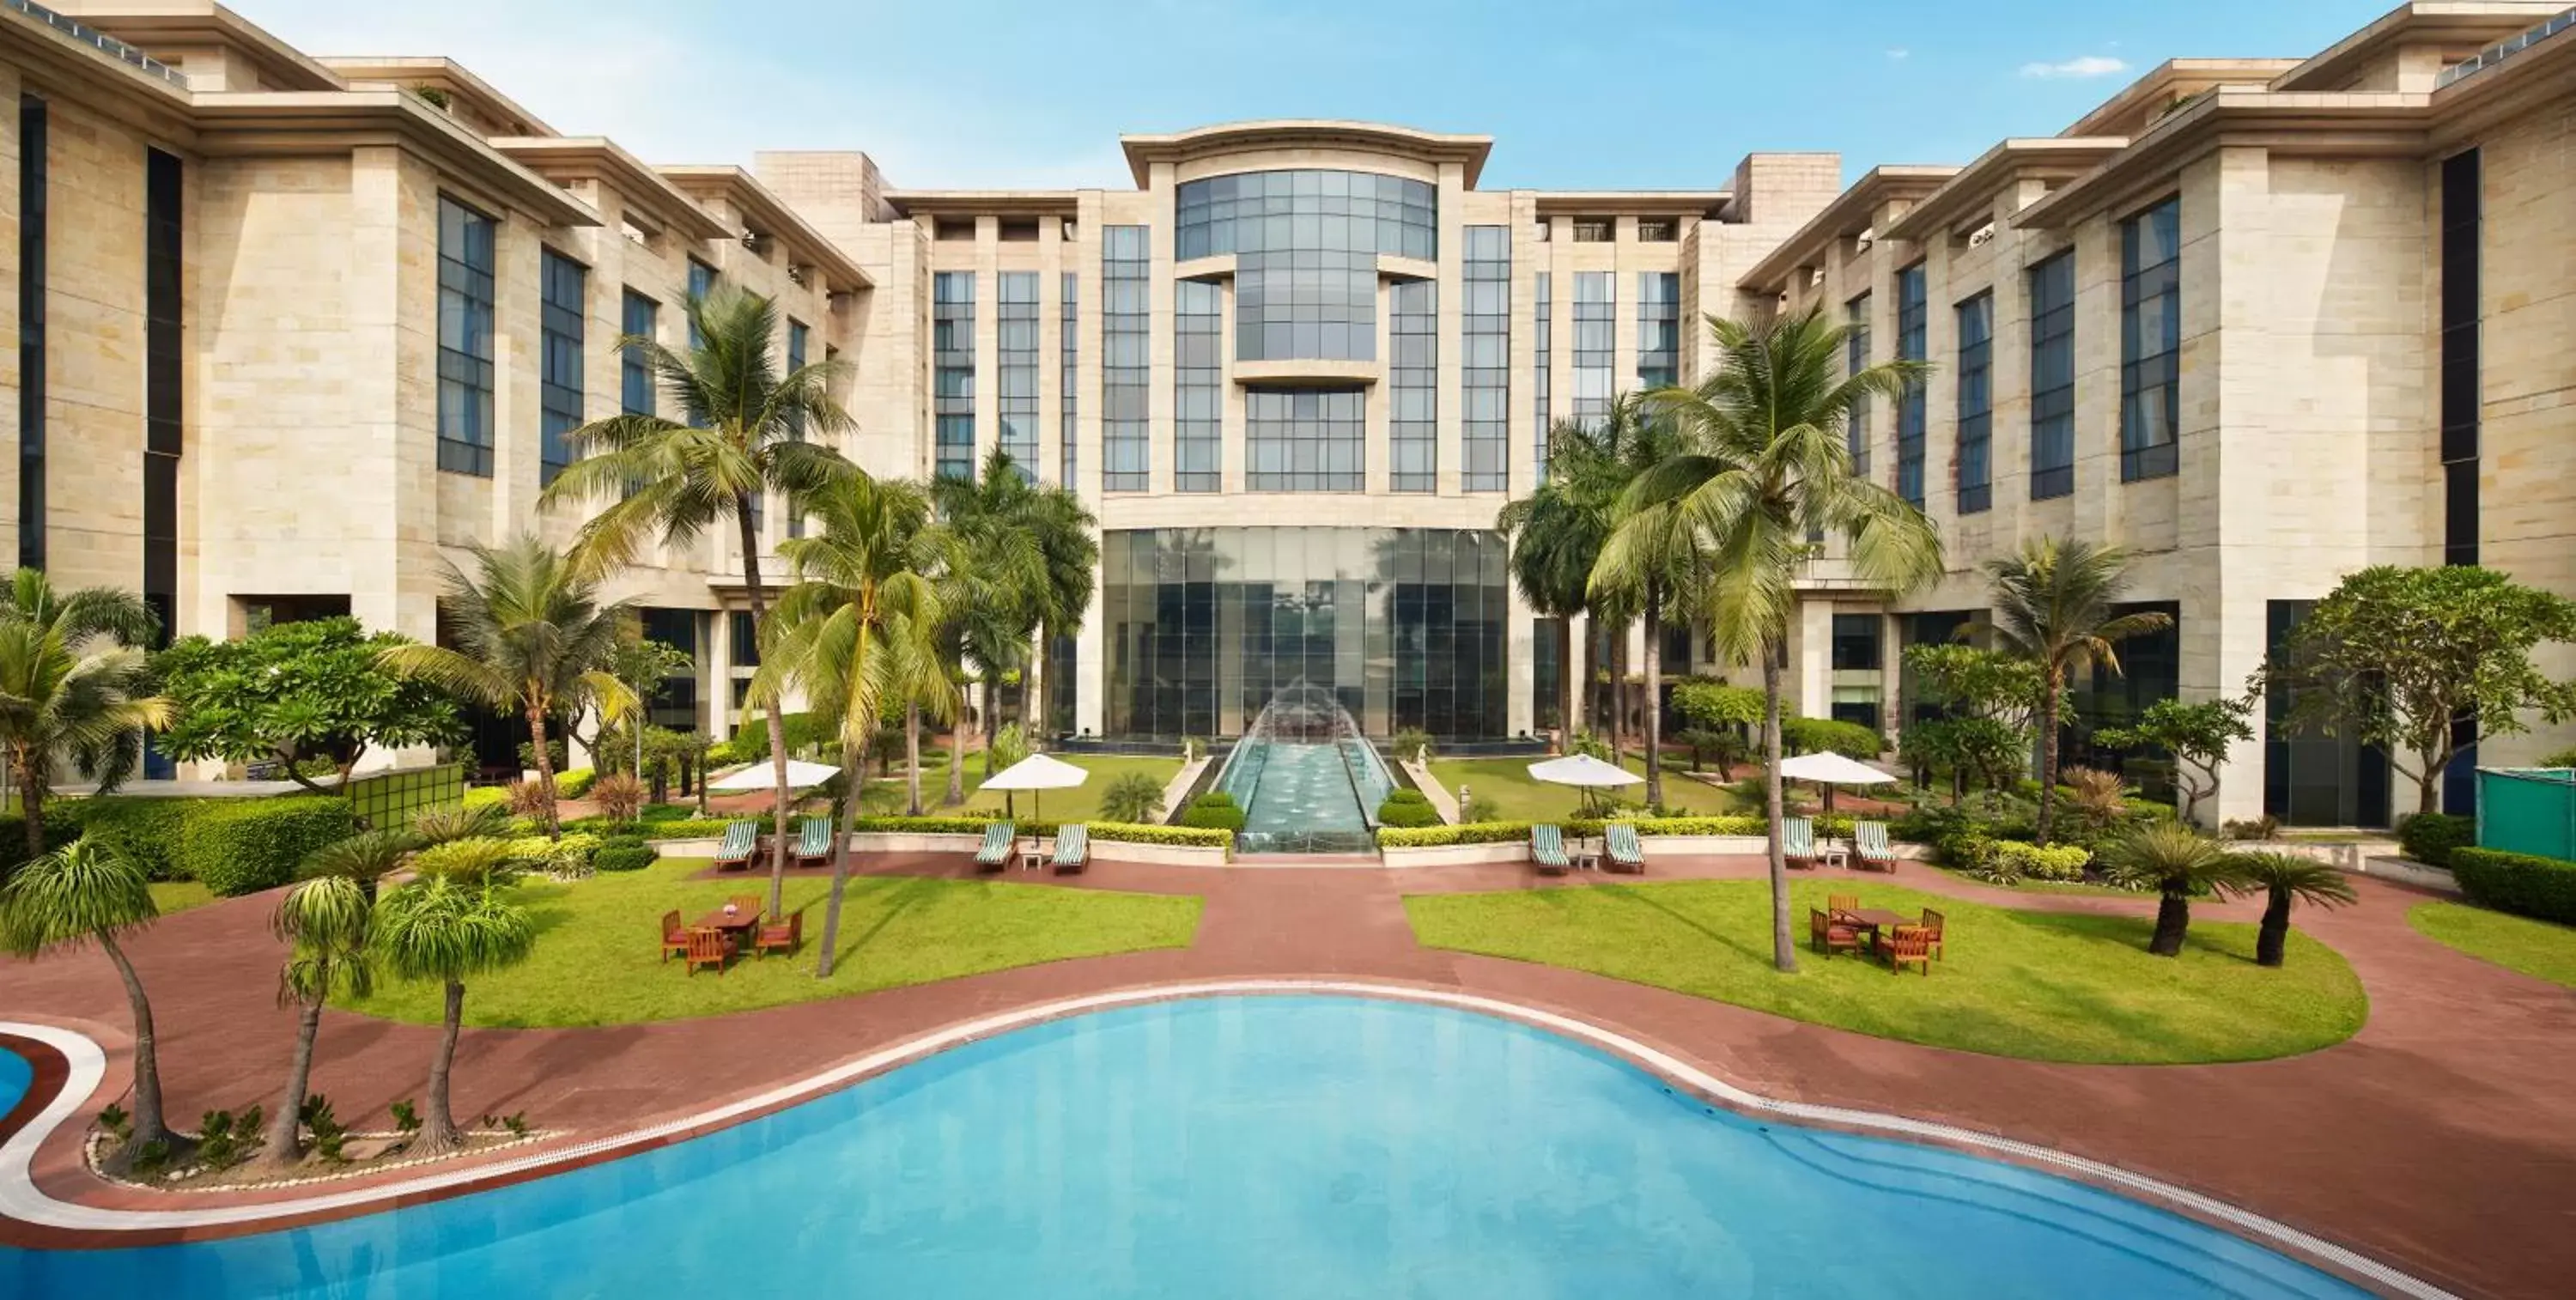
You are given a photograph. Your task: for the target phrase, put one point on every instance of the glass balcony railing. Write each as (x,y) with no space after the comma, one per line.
(2503,50)
(99,40)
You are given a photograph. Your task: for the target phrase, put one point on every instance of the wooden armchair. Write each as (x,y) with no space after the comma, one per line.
(1932,922)
(708,948)
(1909,943)
(781,938)
(1829,936)
(746,904)
(675,937)
(1842,904)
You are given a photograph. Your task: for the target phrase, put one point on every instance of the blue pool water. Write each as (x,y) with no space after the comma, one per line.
(1252,1147)
(15,1074)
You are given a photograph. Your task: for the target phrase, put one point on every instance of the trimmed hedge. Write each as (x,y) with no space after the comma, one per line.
(1399,837)
(148,831)
(2056,862)
(962,824)
(487,796)
(575,783)
(242,846)
(622,855)
(59,831)
(1139,833)
(1428,837)
(1214,810)
(2429,838)
(2524,884)
(567,856)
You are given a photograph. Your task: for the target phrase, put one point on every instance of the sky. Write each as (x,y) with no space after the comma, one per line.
(1577,94)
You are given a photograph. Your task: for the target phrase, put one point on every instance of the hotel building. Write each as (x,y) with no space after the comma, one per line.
(295,330)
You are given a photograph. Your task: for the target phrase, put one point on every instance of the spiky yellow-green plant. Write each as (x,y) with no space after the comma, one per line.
(2284,879)
(2176,861)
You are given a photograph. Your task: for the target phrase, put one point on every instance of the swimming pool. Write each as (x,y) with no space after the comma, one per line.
(1243,1146)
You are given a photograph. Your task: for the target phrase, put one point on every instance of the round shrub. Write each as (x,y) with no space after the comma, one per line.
(1213,811)
(2429,837)
(622,855)
(1407,809)
(242,846)
(575,783)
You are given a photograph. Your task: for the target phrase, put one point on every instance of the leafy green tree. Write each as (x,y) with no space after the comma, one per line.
(2177,861)
(2196,736)
(2392,657)
(2055,606)
(325,921)
(73,688)
(857,626)
(1764,469)
(2284,879)
(439,928)
(1718,705)
(994,590)
(645,667)
(1987,700)
(89,891)
(293,691)
(1556,534)
(1068,542)
(531,634)
(741,436)
(1132,797)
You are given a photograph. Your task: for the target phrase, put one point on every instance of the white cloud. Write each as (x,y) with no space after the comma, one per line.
(2087,65)
(1900,54)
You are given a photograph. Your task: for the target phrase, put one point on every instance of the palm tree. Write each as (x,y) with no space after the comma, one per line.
(1765,468)
(994,596)
(325,920)
(73,688)
(854,633)
(2176,861)
(364,859)
(90,890)
(1068,542)
(531,635)
(442,929)
(743,437)
(1652,561)
(2285,878)
(2054,606)
(1556,535)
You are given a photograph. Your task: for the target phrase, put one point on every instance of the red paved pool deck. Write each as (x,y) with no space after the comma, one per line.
(2441,1139)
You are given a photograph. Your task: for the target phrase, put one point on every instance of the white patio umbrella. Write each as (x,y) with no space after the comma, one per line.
(1585,773)
(763,775)
(1831,769)
(1034,773)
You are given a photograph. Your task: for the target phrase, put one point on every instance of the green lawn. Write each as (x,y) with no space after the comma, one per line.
(2537,948)
(2014,983)
(1081,803)
(179,895)
(598,962)
(1507,782)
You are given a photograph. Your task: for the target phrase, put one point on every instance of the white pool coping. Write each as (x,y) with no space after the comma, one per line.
(22,1200)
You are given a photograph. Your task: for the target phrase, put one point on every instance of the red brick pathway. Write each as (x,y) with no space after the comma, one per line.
(2441,1139)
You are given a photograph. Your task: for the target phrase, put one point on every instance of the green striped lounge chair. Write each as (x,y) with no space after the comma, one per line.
(1072,848)
(1798,842)
(1626,854)
(741,840)
(1870,848)
(995,852)
(814,841)
(1547,849)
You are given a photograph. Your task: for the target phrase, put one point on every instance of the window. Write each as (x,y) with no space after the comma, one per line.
(1486,334)
(1126,361)
(1975,471)
(1016,356)
(164,387)
(563,286)
(952,399)
(1856,360)
(2052,377)
(1540,383)
(1019,230)
(1596,316)
(2150,341)
(1306,246)
(1659,328)
(796,333)
(464,339)
(1305,440)
(1413,386)
(636,316)
(33,141)
(2462,202)
(950,230)
(745,635)
(1856,643)
(1595,230)
(1910,344)
(1069,383)
(1198,423)
(702,285)
(1658,230)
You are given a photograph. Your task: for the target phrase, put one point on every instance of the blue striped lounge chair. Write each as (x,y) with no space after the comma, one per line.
(995,852)
(814,842)
(1072,848)
(741,840)
(1626,854)
(1798,842)
(1870,849)
(1547,849)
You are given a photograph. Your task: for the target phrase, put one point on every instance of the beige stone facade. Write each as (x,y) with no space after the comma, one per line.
(2308,400)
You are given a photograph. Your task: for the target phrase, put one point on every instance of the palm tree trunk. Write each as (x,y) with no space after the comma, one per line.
(2048,752)
(1654,698)
(956,759)
(1570,720)
(1618,688)
(992,718)
(842,824)
(148,1123)
(912,758)
(757,597)
(1784,954)
(2173,920)
(2272,941)
(31,802)
(545,766)
(283,1127)
(437,1123)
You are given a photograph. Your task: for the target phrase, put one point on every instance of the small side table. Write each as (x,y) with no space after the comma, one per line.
(1837,858)
(1587,861)
(1032,859)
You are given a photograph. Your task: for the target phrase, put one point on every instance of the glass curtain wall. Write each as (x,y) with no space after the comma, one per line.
(1486,369)
(1306,244)
(1405,626)
(1016,356)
